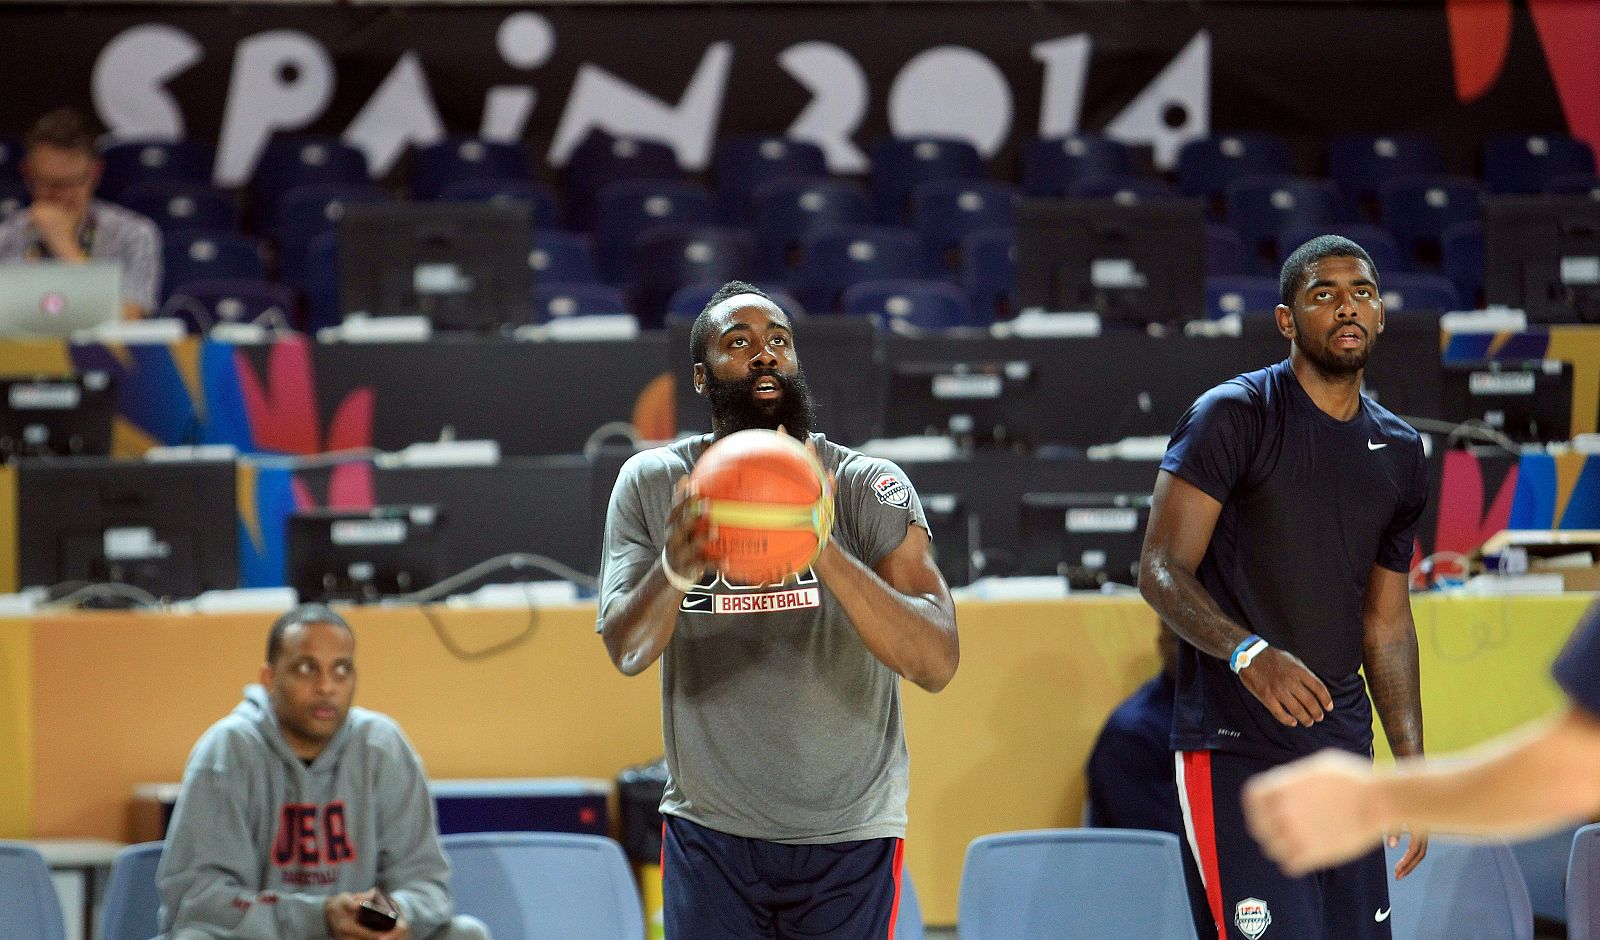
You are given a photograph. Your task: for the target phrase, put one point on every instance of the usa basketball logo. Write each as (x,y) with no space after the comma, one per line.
(1252,917)
(892,491)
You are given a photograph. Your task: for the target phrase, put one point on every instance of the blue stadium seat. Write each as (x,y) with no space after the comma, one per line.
(206,254)
(132,906)
(1404,292)
(301,160)
(625,209)
(908,923)
(13,196)
(669,257)
(1524,163)
(901,164)
(559,255)
(835,258)
(1124,190)
(1206,166)
(1574,184)
(1417,209)
(787,211)
(989,273)
(175,204)
(539,197)
(1075,883)
(740,164)
(1461,259)
(1379,243)
(147,161)
(909,306)
(28,905)
(946,211)
(10,158)
(1543,861)
(1051,165)
(1460,890)
(305,213)
(1260,208)
(555,300)
(322,282)
(435,166)
(204,304)
(533,885)
(1361,163)
(1240,295)
(601,160)
(1583,884)
(1224,250)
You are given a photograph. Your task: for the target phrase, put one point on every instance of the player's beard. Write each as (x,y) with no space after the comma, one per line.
(734,406)
(1330,362)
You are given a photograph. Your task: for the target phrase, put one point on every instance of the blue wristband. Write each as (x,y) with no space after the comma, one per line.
(1246,651)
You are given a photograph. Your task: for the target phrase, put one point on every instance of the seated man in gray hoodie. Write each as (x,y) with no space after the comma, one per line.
(297,808)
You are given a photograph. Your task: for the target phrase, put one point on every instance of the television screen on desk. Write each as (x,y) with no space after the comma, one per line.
(1135,265)
(1529,401)
(1541,254)
(1089,538)
(365,554)
(168,528)
(56,417)
(463,265)
(977,403)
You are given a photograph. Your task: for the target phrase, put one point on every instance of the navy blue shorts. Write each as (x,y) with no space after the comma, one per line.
(715,886)
(1248,895)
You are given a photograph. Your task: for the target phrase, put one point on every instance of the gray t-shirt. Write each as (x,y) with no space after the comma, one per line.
(116,234)
(779,723)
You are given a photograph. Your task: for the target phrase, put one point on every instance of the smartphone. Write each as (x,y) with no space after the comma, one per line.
(378,913)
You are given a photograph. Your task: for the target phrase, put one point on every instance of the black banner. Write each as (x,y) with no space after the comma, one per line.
(842,74)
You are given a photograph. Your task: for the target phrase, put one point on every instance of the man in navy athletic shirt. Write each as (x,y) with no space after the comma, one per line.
(1279,540)
(785,803)
(1329,808)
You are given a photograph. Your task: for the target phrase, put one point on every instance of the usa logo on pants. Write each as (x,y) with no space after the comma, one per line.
(1252,917)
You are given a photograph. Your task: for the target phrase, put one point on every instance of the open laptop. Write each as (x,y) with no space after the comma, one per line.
(56,298)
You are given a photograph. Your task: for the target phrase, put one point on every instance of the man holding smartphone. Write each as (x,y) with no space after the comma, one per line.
(302,816)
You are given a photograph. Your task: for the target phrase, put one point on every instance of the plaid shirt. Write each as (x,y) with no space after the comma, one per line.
(113,233)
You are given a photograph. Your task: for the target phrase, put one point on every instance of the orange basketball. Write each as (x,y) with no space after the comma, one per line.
(770,502)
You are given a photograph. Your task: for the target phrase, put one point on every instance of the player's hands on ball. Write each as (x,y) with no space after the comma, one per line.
(691,539)
(1292,692)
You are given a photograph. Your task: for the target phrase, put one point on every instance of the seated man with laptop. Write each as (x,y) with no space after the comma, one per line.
(65,224)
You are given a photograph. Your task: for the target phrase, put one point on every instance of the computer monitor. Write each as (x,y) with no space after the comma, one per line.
(1529,401)
(1089,538)
(955,534)
(58,298)
(171,529)
(463,265)
(979,403)
(364,554)
(1135,264)
(1541,254)
(68,416)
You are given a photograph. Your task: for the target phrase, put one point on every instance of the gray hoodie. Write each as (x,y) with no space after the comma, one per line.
(258,840)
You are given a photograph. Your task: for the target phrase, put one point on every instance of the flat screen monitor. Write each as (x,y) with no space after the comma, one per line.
(56,417)
(980,403)
(1135,264)
(1089,538)
(1529,401)
(58,298)
(463,265)
(954,536)
(168,528)
(1541,254)
(365,554)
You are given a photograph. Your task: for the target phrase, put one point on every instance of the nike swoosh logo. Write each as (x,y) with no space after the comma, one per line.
(1382,915)
(1372,446)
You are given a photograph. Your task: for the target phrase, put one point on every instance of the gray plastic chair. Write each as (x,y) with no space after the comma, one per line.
(908,923)
(28,905)
(1583,885)
(1461,891)
(1074,883)
(532,885)
(132,906)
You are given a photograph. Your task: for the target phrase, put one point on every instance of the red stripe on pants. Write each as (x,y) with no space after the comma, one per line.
(1197,788)
(899,858)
